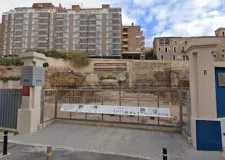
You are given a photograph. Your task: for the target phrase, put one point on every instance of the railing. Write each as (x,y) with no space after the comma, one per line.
(176,100)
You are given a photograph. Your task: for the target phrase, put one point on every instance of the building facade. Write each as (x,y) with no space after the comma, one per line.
(174,48)
(1,38)
(132,39)
(96,31)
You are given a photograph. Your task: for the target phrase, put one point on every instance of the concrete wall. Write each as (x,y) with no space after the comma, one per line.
(10,85)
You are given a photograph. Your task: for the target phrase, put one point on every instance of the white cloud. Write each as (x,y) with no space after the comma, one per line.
(171,17)
(127,20)
(149,42)
(143,3)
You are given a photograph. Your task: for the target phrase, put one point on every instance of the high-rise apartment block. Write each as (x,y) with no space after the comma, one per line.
(1,38)
(174,48)
(132,39)
(96,31)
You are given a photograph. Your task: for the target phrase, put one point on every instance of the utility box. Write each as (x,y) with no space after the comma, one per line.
(32,76)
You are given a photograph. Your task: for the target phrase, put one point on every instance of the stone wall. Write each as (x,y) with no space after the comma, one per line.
(137,73)
(158,73)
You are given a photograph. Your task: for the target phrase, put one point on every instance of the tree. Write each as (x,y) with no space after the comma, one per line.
(150,55)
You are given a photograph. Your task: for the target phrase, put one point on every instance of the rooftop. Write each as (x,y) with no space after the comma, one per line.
(48,6)
(132,25)
(193,37)
(221,28)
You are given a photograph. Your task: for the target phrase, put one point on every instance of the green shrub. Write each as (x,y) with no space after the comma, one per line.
(77,59)
(10,61)
(109,76)
(6,79)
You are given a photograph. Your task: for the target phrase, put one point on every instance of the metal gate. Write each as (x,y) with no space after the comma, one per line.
(10,102)
(178,101)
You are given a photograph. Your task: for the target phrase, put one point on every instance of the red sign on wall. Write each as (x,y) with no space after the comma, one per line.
(26,91)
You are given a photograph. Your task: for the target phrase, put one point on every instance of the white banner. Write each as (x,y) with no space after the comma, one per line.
(117,110)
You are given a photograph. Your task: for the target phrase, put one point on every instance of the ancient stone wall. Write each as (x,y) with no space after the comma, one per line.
(137,73)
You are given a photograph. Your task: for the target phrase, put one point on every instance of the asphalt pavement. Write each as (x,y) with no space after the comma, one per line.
(99,142)
(24,152)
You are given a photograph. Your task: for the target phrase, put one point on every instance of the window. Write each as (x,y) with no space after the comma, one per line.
(217,34)
(161,57)
(175,49)
(166,49)
(223,50)
(185,42)
(138,50)
(184,57)
(223,34)
(175,42)
(214,56)
(174,57)
(167,41)
(183,49)
(187,58)
(138,43)
(138,37)
(161,42)
(159,48)
(125,29)
(222,55)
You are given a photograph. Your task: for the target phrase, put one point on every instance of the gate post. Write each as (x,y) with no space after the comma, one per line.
(205,124)
(32,80)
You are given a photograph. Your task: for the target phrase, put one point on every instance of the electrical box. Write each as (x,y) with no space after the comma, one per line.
(32,76)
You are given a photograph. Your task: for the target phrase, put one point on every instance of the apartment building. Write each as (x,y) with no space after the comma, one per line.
(174,48)
(96,31)
(133,41)
(1,38)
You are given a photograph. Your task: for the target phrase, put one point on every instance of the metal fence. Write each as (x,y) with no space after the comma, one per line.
(178,101)
(10,102)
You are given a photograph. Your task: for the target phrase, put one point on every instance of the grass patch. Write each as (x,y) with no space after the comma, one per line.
(78,59)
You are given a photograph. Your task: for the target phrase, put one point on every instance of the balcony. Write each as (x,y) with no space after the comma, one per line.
(59,31)
(124,45)
(43,29)
(42,35)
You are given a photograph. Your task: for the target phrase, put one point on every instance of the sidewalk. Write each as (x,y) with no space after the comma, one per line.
(23,152)
(127,142)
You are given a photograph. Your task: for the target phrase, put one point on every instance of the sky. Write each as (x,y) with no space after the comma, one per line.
(158,18)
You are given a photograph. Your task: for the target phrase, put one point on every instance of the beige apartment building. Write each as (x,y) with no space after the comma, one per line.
(174,48)
(133,41)
(96,31)
(1,38)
